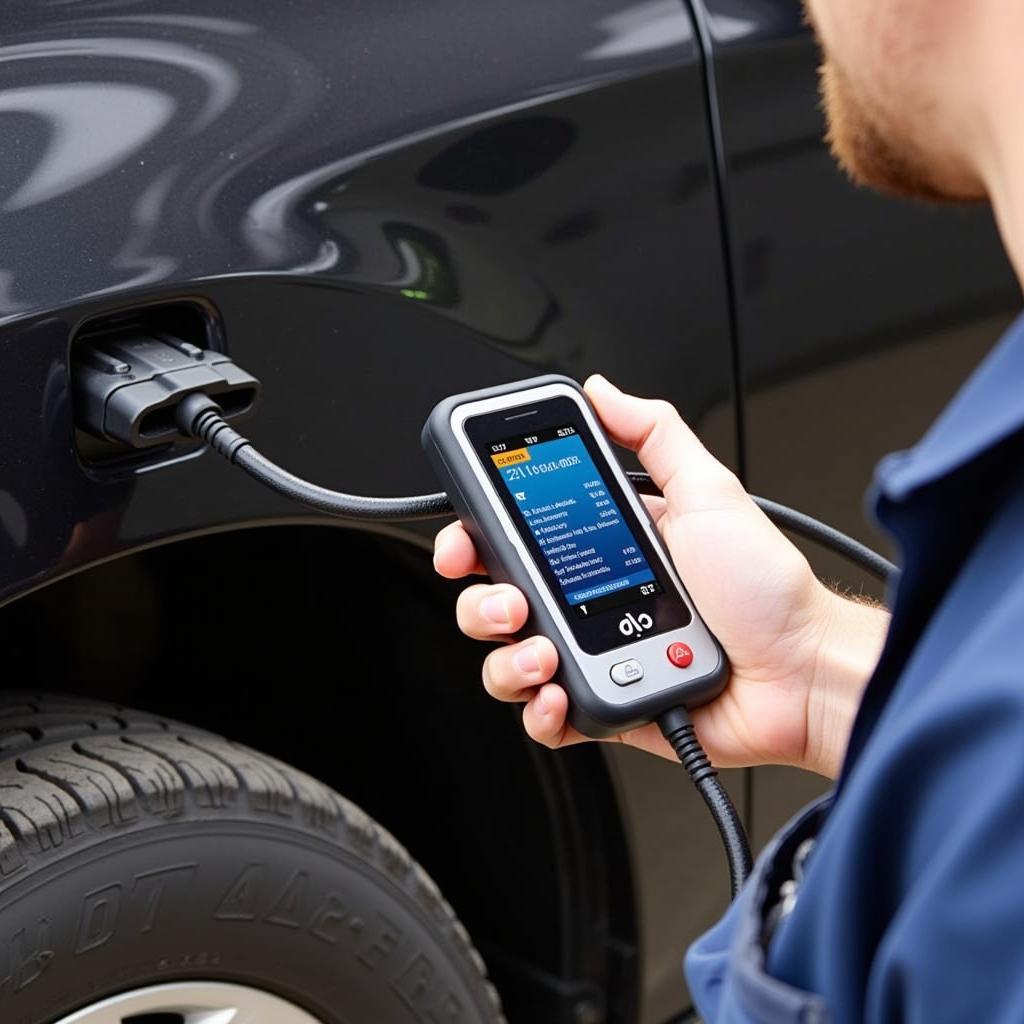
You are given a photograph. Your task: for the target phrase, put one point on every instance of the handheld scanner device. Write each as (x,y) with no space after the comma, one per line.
(537,484)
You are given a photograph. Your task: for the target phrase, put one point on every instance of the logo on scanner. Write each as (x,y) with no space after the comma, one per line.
(635,625)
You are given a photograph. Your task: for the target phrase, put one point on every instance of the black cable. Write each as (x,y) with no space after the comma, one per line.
(677,728)
(805,526)
(200,416)
(829,537)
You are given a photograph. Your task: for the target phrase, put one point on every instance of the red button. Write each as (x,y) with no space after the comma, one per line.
(680,655)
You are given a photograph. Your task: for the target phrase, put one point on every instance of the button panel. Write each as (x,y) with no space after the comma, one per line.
(627,672)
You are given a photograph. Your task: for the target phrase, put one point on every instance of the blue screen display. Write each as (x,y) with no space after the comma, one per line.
(575,521)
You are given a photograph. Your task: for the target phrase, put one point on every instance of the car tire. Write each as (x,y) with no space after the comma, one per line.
(141,855)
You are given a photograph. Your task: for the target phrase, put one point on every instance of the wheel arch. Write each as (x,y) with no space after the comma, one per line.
(271,636)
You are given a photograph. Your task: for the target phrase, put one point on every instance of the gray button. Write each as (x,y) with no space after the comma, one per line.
(627,672)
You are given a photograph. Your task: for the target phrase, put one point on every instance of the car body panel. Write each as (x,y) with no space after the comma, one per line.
(351,209)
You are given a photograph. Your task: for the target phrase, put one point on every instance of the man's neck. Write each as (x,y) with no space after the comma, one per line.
(1005,182)
(1001,162)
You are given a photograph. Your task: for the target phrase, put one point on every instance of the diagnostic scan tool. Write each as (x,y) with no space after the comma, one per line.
(539,488)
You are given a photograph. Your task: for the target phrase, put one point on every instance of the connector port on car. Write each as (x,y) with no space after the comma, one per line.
(131,370)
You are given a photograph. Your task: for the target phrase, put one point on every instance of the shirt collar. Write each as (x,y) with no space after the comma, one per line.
(986,410)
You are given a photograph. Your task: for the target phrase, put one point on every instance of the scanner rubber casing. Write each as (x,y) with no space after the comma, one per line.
(588,712)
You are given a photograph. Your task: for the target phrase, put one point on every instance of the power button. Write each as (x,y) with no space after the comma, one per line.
(680,655)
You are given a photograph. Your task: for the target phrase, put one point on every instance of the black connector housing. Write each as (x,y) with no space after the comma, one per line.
(127,388)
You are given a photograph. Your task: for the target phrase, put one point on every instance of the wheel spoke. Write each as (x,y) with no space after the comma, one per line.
(228,1016)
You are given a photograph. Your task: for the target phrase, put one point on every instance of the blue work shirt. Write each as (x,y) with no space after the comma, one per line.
(910,906)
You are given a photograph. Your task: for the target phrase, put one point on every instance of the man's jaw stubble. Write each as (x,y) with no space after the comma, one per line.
(874,151)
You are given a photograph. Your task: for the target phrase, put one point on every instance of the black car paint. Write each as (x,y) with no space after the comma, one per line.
(258,163)
(385,203)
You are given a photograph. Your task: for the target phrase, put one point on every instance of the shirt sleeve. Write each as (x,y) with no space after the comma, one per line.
(725,967)
(707,960)
(953,949)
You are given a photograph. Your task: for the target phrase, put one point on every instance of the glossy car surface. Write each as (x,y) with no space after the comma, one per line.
(373,204)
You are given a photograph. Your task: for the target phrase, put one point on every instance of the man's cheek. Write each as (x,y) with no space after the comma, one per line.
(847,29)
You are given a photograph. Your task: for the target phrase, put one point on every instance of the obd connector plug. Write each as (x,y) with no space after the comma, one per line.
(127,389)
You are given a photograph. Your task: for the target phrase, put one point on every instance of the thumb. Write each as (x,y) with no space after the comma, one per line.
(689,476)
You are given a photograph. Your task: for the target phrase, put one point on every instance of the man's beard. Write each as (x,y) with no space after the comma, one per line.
(873,150)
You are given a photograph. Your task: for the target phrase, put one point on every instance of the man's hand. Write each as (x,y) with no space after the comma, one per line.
(800,654)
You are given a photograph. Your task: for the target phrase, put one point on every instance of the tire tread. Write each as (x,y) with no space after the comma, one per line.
(72,771)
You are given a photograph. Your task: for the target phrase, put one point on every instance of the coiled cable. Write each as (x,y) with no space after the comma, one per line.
(677,728)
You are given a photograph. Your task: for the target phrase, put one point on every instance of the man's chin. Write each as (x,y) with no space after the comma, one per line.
(875,154)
